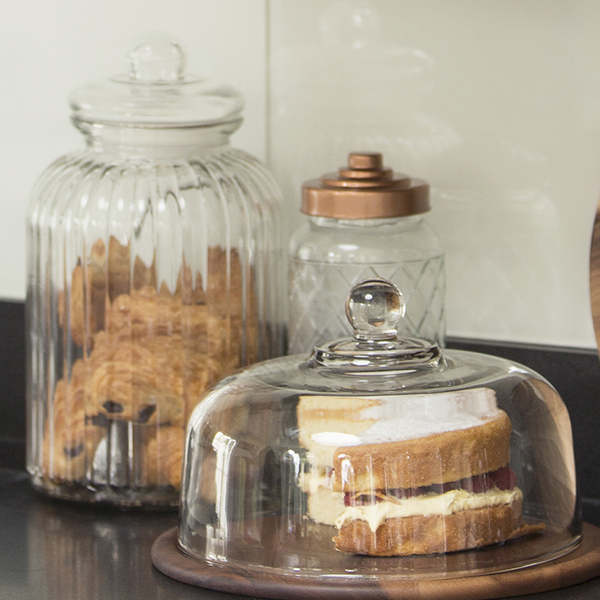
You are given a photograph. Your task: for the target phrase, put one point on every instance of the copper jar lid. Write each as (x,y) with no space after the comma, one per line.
(365,189)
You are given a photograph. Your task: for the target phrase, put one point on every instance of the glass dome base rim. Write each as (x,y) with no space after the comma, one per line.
(254,569)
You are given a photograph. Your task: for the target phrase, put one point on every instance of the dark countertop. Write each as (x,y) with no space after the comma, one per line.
(53,550)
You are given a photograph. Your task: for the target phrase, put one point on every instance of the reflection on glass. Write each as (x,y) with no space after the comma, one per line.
(93,554)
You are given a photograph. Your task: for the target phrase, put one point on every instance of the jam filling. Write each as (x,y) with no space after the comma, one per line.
(502,479)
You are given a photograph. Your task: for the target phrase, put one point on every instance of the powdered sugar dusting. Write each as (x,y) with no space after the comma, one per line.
(408,417)
(397,430)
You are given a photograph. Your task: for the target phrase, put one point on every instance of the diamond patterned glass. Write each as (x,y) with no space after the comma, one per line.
(328,258)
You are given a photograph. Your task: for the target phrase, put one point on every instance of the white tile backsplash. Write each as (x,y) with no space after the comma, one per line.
(495,103)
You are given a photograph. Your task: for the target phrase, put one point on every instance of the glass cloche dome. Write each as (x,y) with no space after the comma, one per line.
(378,459)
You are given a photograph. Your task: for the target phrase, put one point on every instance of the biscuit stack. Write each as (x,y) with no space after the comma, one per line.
(143,354)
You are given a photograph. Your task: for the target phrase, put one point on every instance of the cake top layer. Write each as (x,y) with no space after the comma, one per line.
(405,417)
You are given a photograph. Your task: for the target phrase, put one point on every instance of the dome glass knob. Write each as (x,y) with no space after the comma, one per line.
(374,309)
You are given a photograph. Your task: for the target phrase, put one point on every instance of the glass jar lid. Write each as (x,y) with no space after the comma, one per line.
(365,189)
(157,92)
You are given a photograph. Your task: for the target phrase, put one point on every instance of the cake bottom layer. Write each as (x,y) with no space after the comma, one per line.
(433,534)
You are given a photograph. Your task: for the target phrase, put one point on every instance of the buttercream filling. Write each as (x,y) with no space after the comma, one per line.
(426,505)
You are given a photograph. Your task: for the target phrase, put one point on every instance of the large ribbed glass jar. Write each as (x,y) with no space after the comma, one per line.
(364,221)
(153,271)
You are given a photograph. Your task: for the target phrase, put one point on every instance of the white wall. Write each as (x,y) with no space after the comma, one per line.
(495,102)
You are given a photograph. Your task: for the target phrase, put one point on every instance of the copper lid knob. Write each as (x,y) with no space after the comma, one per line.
(365,189)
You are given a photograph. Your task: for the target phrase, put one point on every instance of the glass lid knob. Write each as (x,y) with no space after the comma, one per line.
(157,58)
(374,308)
(156,91)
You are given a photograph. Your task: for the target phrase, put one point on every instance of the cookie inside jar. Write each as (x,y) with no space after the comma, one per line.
(141,355)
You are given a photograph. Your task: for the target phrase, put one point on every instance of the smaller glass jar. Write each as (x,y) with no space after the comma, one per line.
(365,221)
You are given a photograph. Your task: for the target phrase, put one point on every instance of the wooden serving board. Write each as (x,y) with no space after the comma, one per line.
(580,565)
